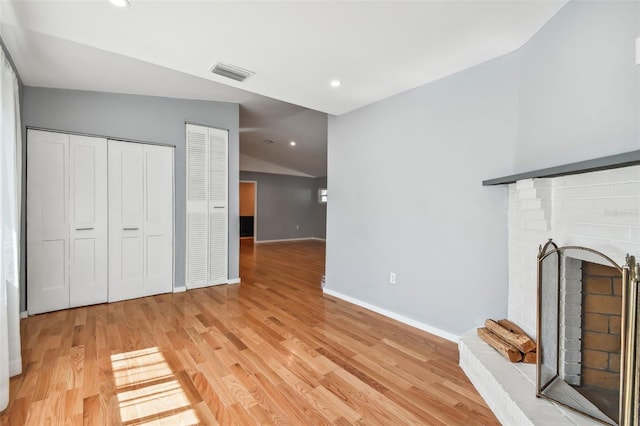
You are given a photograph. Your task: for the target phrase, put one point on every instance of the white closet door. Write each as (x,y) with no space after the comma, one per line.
(126,221)
(88,220)
(197,207)
(47,221)
(218,217)
(158,219)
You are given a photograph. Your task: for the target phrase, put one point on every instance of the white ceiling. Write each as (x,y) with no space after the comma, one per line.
(167,48)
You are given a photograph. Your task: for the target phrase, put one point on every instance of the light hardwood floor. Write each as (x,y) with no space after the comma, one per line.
(271,350)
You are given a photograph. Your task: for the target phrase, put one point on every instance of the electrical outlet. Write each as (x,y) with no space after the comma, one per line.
(392,278)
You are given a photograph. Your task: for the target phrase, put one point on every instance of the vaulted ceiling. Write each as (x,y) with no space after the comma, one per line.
(167,48)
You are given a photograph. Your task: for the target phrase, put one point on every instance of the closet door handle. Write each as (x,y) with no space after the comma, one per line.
(84,229)
(130,229)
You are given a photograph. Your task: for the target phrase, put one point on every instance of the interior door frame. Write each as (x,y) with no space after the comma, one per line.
(255,206)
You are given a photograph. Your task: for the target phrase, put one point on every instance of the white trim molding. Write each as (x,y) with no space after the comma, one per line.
(234,281)
(284,240)
(179,289)
(413,323)
(24,314)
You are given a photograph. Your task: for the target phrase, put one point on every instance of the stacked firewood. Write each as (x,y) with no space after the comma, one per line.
(509,340)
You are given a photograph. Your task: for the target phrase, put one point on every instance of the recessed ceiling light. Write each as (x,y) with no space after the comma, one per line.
(120,3)
(336,83)
(292,143)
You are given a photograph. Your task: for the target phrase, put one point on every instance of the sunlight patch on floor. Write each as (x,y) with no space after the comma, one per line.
(148,391)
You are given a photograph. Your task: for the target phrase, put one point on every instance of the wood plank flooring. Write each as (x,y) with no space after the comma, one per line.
(272,350)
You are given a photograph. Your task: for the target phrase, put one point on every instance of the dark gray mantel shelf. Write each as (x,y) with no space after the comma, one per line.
(631,158)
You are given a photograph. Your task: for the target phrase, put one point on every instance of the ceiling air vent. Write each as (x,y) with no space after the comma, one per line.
(231,71)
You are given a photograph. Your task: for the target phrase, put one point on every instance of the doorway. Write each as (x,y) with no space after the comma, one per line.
(248,209)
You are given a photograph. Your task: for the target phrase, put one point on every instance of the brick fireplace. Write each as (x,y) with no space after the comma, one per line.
(601,325)
(600,210)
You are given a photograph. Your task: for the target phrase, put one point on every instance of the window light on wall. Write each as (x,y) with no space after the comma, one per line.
(322,195)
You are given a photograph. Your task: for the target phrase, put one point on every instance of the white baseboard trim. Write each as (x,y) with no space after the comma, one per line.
(319,239)
(234,281)
(179,289)
(284,240)
(15,367)
(24,314)
(413,323)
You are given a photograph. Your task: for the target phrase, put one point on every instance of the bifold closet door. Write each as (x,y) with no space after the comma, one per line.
(140,220)
(126,200)
(88,221)
(66,221)
(158,219)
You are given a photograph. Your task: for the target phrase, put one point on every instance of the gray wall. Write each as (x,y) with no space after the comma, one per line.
(285,202)
(579,86)
(405,196)
(150,119)
(405,173)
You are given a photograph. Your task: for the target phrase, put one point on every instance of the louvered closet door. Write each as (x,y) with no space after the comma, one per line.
(206,206)
(218,217)
(158,219)
(197,206)
(126,221)
(47,221)
(88,220)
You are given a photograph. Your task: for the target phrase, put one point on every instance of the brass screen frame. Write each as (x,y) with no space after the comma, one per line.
(630,334)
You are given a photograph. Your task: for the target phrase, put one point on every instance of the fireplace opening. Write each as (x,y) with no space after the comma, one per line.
(601,337)
(586,356)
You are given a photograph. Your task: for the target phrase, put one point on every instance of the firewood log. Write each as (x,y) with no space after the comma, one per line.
(504,348)
(520,341)
(530,357)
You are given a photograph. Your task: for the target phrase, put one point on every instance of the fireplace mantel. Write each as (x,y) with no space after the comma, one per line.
(631,158)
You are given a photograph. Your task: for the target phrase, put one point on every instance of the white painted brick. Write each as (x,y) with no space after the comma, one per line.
(629,189)
(528,194)
(573,369)
(574,275)
(621,248)
(565,216)
(574,285)
(579,204)
(543,183)
(572,310)
(572,345)
(573,357)
(577,229)
(523,184)
(573,299)
(610,232)
(573,334)
(634,235)
(633,173)
(592,216)
(627,217)
(564,193)
(610,203)
(543,193)
(573,380)
(538,225)
(534,215)
(599,177)
(594,191)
